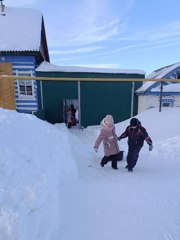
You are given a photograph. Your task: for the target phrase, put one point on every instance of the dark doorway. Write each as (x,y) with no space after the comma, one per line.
(67,103)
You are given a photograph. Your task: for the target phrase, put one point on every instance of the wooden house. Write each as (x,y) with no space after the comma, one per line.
(23,47)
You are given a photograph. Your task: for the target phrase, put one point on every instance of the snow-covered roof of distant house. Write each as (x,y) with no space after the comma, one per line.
(172,87)
(162,72)
(48,67)
(17,33)
(157,74)
(145,86)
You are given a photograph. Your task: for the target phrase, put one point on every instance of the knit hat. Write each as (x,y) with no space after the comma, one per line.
(108,121)
(134,122)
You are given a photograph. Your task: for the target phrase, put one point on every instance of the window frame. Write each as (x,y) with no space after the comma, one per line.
(26,84)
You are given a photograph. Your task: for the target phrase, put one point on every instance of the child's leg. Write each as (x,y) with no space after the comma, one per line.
(114,164)
(132,158)
(104,161)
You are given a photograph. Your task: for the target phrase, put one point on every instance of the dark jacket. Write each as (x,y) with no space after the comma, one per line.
(136,136)
(73,112)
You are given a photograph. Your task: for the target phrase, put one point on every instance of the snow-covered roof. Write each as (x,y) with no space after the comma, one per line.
(158,74)
(48,67)
(20,29)
(145,86)
(162,72)
(172,87)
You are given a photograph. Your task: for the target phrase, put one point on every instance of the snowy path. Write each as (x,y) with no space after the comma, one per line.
(52,186)
(139,200)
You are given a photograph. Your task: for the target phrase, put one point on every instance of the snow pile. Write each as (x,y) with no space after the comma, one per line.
(52,186)
(34,157)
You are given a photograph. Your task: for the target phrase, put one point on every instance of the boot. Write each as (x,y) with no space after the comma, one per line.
(130,169)
(115,168)
(102,164)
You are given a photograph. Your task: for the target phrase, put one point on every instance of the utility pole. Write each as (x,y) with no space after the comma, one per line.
(2,8)
(160,97)
(132,99)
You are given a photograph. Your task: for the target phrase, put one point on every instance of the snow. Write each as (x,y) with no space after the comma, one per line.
(175,87)
(158,74)
(145,86)
(161,73)
(48,67)
(52,186)
(171,87)
(17,33)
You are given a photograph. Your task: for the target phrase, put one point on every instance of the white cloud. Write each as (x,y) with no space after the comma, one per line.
(170,44)
(97,34)
(78,50)
(159,37)
(84,22)
(161,32)
(170,30)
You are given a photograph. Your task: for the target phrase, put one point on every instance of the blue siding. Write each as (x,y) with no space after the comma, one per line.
(23,64)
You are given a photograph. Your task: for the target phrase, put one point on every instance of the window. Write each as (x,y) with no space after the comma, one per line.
(166,104)
(25,87)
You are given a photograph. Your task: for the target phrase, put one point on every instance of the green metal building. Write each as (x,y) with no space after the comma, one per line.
(94,93)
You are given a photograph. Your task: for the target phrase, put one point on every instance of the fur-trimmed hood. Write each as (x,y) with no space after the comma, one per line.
(108,123)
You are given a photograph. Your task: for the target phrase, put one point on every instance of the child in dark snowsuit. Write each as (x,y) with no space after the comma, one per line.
(136,135)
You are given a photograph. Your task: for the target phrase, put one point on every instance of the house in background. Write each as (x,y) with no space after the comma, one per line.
(23,47)
(149,93)
(92,99)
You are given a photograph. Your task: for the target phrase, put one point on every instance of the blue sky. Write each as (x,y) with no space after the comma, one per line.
(125,34)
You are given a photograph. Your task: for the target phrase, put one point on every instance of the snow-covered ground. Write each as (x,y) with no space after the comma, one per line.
(52,186)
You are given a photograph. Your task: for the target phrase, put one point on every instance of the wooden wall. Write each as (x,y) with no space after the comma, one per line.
(7,97)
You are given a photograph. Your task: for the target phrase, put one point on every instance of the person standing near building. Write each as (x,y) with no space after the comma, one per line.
(136,135)
(71,116)
(109,138)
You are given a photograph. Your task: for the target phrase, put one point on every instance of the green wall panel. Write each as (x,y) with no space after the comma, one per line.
(97,98)
(53,94)
(101,98)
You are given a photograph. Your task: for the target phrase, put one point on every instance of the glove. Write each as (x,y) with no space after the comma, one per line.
(96,149)
(118,138)
(150,147)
